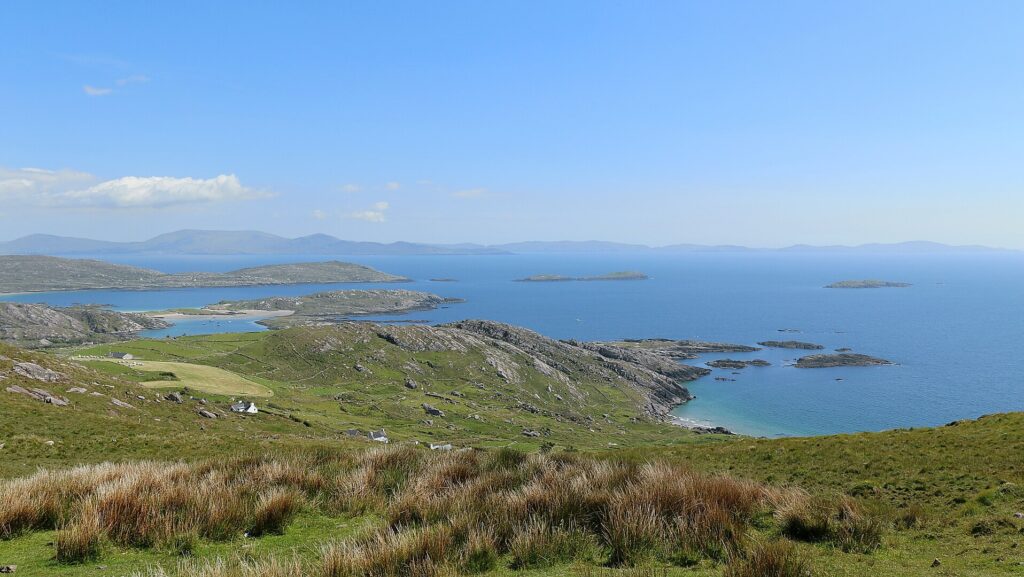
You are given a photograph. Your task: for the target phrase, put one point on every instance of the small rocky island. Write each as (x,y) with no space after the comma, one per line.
(682,349)
(791,345)
(826,361)
(866,284)
(621,275)
(737,364)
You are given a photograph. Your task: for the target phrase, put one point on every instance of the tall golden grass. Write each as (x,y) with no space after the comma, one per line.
(459,512)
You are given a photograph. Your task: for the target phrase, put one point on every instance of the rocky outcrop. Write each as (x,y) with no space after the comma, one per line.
(40,395)
(38,325)
(656,378)
(839,360)
(38,373)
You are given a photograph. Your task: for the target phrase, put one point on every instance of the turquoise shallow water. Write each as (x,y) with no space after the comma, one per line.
(956,334)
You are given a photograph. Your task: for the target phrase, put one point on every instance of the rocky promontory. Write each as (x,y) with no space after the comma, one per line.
(826,361)
(39,325)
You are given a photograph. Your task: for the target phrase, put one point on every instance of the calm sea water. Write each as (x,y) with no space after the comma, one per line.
(956,334)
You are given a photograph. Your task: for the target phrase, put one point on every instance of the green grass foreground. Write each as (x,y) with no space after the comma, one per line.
(287,492)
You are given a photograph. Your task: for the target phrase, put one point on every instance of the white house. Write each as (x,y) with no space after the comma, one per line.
(122,356)
(440,447)
(245,407)
(379,436)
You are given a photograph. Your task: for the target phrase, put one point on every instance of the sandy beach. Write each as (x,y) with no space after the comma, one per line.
(240,314)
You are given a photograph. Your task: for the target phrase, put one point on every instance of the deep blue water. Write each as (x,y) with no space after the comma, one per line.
(956,335)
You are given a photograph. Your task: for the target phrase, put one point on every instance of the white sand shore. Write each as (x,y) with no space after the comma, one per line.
(240,314)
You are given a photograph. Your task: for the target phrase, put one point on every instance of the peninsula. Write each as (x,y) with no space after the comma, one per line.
(866,284)
(19,274)
(621,275)
(319,308)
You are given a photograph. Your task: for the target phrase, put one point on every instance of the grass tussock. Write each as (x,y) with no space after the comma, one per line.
(82,540)
(770,559)
(460,512)
(841,521)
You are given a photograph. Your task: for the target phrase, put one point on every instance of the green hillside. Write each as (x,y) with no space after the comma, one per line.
(878,504)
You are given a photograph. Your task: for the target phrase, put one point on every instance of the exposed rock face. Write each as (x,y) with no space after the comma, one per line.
(40,395)
(38,325)
(37,373)
(791,345)
(655,377)
(432,410)
(839,360)
(120,403)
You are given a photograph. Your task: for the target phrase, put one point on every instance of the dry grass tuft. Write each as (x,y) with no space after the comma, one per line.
(770,559)
(82,541)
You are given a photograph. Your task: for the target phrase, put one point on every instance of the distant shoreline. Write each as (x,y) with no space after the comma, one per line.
(247,314)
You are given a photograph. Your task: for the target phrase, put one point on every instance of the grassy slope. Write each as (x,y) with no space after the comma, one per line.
(201,378)
(964,477)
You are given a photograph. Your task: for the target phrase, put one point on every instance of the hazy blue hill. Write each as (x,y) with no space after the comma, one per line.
(571,246)
(219,242)
(51,244)
(216,242)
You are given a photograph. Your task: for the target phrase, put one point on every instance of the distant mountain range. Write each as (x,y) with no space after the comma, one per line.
(213,242)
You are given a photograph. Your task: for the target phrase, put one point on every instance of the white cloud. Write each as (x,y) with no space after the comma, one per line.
(375,214)
(96,91)
(351,187)
(133,79)
(74,189)
(17,182)
(470,193)
(319,214)
(392,185)
(158,191)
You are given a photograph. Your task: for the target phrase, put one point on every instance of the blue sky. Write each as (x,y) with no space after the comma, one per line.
(758,123)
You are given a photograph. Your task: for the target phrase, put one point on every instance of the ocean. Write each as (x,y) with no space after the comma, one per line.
(955,335)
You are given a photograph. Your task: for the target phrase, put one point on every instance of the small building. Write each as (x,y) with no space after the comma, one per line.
(379,436)
(440,446)
(245,407)
(122,356)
